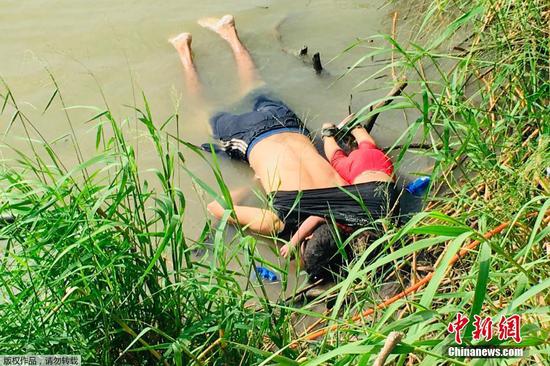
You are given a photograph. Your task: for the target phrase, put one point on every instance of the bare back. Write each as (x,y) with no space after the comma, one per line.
(289,161)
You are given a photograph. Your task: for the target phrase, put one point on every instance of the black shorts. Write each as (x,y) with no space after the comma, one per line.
(266,116)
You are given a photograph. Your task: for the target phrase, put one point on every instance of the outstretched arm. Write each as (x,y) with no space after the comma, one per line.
(329,143)
(305,230)
(361,135)
(259,220)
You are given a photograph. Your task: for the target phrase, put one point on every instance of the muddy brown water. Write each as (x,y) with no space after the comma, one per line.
(120,49)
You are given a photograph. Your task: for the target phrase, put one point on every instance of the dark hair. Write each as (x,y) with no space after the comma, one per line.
(321,256)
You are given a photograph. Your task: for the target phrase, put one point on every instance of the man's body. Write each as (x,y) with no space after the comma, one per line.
(282,162)
(289,161)
(271,138)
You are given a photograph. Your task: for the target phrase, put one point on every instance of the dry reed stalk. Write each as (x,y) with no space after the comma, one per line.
(414,273)
(391,341)
(393,36)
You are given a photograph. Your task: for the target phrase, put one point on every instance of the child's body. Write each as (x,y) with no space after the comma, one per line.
(365,164)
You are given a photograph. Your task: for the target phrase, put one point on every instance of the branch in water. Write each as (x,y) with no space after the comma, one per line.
(317,63)
(395,92)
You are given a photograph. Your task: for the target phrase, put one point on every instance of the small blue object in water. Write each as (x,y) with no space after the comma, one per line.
(266,274)
(418,186)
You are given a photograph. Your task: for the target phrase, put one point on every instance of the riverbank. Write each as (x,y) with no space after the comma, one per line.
(84,268)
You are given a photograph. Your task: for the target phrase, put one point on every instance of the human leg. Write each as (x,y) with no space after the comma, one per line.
(199,108)
(182,43)
(225,28)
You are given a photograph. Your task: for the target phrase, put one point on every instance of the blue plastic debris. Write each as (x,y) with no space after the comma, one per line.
(266,274)
(418,186)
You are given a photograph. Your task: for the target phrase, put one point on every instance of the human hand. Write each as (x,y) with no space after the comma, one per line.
(215,209)
(285,250)
(328,130)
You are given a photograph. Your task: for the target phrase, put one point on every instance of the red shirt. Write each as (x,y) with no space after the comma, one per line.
(366,157)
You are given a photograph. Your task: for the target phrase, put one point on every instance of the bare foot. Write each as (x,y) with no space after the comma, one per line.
(223,26)
(181,41)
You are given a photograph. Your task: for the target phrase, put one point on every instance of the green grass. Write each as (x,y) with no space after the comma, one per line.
(84,268)
(97,262)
